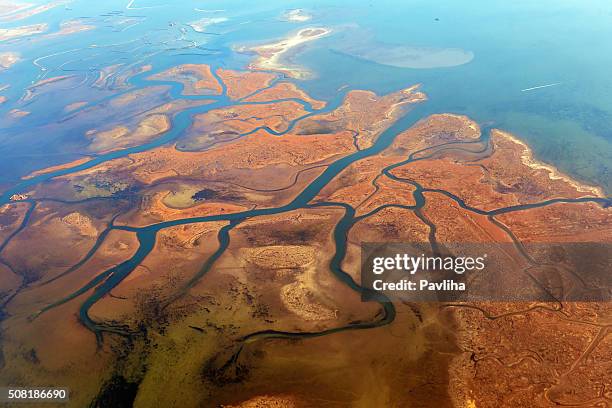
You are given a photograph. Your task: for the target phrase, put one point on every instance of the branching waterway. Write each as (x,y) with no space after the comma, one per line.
(103,284)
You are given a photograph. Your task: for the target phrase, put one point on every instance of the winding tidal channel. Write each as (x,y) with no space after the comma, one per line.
(103,283)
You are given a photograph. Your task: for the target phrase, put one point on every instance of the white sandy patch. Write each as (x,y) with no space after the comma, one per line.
(297,16)
(202,24)
(272,56)
(7,59)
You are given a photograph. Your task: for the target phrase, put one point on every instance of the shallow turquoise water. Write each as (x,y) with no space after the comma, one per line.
(515,45)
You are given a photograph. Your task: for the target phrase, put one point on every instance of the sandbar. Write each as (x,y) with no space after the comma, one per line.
(23,31)
(8,59)
(273,56)
(297,16)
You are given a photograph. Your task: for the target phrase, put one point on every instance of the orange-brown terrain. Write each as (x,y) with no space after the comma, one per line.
(197,79)
(284,90)
(224,264)
(243,84)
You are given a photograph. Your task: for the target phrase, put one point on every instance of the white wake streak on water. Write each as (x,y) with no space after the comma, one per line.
(540,87)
